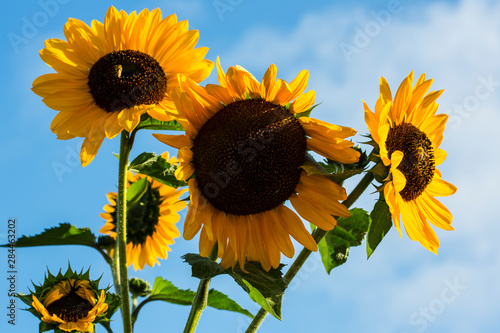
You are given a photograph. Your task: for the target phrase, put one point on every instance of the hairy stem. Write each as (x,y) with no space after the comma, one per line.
(200,300)
(121,231)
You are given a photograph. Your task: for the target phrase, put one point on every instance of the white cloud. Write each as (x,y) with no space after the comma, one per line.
(457,45)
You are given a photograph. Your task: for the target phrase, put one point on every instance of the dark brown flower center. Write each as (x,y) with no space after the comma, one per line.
(123,79)
(418,161)
(247,157)
(142,217)
(71,307)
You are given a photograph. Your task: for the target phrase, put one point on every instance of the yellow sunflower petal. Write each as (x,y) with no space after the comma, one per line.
(175,141)
(291,222)
(435,211)
(303,102)
(89,150)
(313,213)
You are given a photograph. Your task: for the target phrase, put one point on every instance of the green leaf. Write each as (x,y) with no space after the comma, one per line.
(350,231)
(264,288)
(153,124)
(136,191)
(164,290)
(379,226)
(202,267)
(221,301)
(64,234)
(156,167)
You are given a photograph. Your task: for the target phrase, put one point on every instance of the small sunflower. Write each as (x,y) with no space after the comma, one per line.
(108,75)
(242,156)
(408,132)
(150,222)
(69,302)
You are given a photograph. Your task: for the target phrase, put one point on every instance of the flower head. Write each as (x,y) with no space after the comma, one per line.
(69,302)
(150,222)
(243,155)
(108,75)
(408,133)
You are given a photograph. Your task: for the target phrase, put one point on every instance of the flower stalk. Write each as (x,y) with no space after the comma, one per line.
(200,300)
(318,235)
(121,230)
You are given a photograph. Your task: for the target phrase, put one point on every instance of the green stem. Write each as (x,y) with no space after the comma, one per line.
(116,274)
(121,231)
(200,300)
(318,235)
(134,304)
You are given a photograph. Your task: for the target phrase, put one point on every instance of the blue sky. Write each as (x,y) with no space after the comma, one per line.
(346,48)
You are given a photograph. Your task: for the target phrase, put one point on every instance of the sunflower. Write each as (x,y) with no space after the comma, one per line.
(408,132)
(72,305)
(242,156)
(108,75)
(150,222)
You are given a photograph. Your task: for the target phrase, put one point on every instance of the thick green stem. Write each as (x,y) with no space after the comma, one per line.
(116,274)
(318,235)
(121,231)
(200,300)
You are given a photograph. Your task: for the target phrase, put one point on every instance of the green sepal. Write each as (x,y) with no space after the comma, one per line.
(350,231)
(51,280)
(164,290)
(156,167)
(307,112)
(136,191)
(45,327)
(114,302)
(338,172)
(150,123)
(380,225)
(264,288)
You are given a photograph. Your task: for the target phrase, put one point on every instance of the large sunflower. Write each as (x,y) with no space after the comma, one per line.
(71,304)
(409,132)
(108,75)
(242,156)
(150,222)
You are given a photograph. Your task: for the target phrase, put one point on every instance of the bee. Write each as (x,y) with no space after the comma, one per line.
(422,154)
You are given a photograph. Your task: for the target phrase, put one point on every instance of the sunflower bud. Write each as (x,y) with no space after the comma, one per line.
(68,302)
(139,287)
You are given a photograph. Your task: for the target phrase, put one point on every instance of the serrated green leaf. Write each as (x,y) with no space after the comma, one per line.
(202,267)
(221,301)
(350,231)
(136,191)
(157,125)
(64,234)
(156,167)
(164,290)
(380,225)
(264,288)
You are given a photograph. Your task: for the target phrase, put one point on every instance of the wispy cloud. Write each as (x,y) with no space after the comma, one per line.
(457,45)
